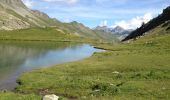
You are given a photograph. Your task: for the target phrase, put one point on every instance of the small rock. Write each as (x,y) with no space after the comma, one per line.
(115,72)
(163,88)
(84,97)
(50,97)
(96,90)
(111,84)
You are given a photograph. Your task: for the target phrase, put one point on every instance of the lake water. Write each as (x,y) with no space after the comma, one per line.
(17,58)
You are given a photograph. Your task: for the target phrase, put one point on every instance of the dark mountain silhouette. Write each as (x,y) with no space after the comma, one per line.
(163,18)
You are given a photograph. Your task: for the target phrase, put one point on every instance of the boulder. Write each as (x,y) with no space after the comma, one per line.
(50,97)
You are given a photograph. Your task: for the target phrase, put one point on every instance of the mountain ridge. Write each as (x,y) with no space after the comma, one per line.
(14,11)
(15,15)
(163,20)
(115,30)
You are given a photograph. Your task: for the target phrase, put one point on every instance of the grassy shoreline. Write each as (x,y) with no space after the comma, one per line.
(47,35)
(139,70)
(132,71)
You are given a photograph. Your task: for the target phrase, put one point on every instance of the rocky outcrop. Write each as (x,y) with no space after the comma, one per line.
(15,15)
(13,24)
(10,22)
(40,14)
(13,2)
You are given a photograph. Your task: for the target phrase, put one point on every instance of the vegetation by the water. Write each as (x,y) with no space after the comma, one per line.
(42,34)
(140,70)
(54,34)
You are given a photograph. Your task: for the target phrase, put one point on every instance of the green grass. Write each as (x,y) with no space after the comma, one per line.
(42,34)
(15,96)
(136,71)
(139,70)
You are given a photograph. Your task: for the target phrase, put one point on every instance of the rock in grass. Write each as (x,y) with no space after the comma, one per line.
(50,97)
(115,72)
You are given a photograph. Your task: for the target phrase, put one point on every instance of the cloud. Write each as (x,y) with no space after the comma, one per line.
(63,1)
(103,23)
(134,22)
(67,20)
(92,12)
(28,3)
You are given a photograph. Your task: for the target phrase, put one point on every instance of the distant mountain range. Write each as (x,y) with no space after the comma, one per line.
(116,30)
(158,25)
(15,15)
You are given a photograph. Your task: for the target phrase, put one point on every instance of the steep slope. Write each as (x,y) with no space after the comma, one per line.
(160,23)
(17,16)
(83,31)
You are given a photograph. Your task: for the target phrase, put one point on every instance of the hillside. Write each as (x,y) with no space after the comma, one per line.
(139,70)
(136,71)
(15,15)
(159,25)
(80,30)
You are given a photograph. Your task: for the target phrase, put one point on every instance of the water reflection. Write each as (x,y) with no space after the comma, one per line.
(16,58)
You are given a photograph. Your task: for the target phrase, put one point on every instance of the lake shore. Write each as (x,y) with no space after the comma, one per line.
(126,72)
(35,55)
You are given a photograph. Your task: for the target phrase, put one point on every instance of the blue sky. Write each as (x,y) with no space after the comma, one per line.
(126,13)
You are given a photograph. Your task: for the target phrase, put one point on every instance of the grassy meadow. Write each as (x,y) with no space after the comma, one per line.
(139,70)
(16,96)
(42,34)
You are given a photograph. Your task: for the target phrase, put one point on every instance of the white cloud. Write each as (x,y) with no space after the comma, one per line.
(67,20)
(134,22)
(28,3)
(63,1)
(103,23)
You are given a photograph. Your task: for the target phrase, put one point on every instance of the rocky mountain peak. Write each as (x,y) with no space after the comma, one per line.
(119,28)
(13,2)
(114,30)
(18,16)
(39,13)
(101,27)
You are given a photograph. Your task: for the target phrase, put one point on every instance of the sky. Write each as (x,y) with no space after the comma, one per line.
(128,14)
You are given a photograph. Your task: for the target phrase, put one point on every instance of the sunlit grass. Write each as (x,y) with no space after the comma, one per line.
(140,70)
(15,96)
(42,34)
